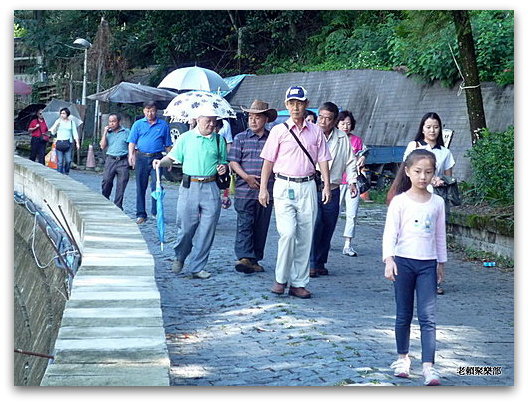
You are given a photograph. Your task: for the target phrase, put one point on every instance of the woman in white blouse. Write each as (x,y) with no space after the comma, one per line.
(429,137)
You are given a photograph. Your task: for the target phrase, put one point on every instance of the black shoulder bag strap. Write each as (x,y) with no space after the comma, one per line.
(223,180)
(301,145)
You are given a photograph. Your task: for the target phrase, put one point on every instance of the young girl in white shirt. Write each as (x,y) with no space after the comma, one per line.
(414,252)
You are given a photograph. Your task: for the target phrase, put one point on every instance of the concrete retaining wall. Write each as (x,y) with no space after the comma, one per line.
(482,233)
(39,298)
(387,105)
(111,332)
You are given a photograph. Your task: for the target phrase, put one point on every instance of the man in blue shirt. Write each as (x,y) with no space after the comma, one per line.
(149,137)
(116,162)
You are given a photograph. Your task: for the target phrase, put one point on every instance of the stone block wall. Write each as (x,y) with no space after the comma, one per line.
(111,333)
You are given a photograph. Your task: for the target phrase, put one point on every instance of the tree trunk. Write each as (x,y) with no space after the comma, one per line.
(240,42)
(468,61)
(40,18)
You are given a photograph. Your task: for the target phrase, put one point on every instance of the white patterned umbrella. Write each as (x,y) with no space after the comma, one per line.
(191,105)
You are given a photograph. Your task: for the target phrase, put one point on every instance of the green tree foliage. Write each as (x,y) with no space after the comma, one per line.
(492,161)
(274,41)
(423,39)
(420,45)
(356,39)
(494,43)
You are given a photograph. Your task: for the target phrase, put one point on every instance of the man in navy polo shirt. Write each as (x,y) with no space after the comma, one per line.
(253,219)
(149,137)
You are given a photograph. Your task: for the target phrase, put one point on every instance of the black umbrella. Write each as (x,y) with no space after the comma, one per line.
(25,116)
(131,93)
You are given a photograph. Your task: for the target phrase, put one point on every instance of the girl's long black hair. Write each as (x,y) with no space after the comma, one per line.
(402,182)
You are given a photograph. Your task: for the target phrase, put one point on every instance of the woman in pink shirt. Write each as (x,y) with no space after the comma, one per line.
(414,252)
(347,123)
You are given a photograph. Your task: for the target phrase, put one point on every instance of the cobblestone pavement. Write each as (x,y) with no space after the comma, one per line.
(231,330)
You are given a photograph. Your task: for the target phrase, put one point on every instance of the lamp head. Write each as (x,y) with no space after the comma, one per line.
(82,43)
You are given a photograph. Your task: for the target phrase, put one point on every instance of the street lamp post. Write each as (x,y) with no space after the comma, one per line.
(84,44)
(81,43)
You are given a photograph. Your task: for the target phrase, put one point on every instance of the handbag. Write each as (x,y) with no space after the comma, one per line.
(449,192)
(317,175)
(318,180)
(362,183)
(222,180)
(63,145)
(45,136)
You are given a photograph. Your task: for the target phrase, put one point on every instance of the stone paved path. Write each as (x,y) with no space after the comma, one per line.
(230,330)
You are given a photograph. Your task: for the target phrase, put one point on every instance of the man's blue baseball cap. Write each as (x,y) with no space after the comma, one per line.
(296,93)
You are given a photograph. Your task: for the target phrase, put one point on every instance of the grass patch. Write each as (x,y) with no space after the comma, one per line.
(379,196)
(469,254)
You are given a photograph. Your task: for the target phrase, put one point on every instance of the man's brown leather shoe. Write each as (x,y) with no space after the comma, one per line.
(322,271)
(278,288)
(257,267)
(244,265)
(301,292)
(313,273)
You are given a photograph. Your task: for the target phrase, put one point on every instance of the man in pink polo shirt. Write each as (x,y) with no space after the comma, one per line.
(294,192)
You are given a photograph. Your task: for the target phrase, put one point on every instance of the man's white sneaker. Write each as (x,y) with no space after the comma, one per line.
(349,251)
(431,377)
(401,367)
(201,275)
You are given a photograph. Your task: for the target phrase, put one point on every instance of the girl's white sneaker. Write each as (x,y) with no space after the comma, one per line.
(349,251)
(401,367)
(431,377)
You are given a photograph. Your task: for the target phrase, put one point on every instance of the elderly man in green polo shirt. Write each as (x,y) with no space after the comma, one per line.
(203,154)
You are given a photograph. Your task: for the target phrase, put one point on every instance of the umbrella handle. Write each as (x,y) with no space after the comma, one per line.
(158,180)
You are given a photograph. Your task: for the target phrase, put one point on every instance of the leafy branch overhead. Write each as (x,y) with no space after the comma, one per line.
(272,41)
